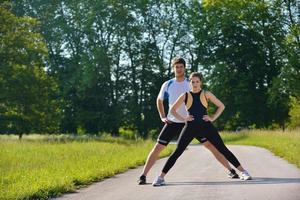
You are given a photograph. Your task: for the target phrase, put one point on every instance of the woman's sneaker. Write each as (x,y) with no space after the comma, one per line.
(159,181)
(232,174)
(245,176)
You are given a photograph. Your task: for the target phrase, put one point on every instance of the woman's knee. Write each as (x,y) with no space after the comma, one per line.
(177,153)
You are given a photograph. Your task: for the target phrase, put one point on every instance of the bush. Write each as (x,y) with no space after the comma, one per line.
(127,133)
(294,113)
(153,134)
(81,131)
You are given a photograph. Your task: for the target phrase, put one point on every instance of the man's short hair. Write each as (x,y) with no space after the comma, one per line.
(178,60)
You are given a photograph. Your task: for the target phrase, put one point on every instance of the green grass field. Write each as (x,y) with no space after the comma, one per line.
(40,167)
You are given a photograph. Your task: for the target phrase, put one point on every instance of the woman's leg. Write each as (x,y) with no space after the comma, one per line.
(184,140)
(213,136)
(219,156)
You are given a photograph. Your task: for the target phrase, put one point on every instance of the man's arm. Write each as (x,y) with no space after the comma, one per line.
(161,110)
(160,103)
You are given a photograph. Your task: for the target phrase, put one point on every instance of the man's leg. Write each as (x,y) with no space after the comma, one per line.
(152,157)
(168,132)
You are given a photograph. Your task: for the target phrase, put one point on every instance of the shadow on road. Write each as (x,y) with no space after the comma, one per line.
(256,180)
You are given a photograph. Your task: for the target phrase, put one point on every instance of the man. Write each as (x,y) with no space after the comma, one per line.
(171,90)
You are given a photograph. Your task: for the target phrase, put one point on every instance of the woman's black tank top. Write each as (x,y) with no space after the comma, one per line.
(197,109)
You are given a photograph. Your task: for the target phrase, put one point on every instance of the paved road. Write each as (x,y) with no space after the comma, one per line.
(197,175)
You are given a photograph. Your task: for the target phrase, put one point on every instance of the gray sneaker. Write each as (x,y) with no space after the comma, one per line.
(159,181)
(245,176)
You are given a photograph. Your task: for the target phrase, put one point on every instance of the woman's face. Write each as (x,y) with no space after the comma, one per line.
(195,83)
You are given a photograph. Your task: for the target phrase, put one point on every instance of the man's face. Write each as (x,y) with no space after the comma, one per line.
(179,70)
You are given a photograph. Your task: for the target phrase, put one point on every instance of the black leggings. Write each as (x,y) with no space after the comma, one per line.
(199,130)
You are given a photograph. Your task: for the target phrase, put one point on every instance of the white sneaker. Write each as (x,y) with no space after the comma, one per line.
(245,176)
(159,181)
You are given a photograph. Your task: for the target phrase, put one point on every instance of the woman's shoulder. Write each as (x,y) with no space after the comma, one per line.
(208,93)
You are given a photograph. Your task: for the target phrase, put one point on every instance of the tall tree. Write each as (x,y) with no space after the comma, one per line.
(28,94)
(240,43)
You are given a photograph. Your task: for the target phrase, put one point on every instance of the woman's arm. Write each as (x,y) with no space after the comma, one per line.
(218,103)
(176,105)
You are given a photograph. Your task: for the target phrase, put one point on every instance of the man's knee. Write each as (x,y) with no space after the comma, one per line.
(209,146)
(158,148)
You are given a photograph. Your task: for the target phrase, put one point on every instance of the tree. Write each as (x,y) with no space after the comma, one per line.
(28,94)
(240,43)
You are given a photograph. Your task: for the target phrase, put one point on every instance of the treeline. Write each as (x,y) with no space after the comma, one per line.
(97,66)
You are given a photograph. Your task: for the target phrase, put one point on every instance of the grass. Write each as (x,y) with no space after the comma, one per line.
(283,144)
(40,167)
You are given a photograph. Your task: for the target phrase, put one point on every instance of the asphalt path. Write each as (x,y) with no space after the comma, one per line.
(197,175)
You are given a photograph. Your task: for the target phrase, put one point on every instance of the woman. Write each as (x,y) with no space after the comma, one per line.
(198,125)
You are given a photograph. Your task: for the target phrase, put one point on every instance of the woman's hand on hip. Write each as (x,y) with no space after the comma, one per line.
(189,118)
(207,118)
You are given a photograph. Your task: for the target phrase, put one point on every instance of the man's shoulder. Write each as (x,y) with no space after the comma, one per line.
(170,80)
(176,84)
(167,83)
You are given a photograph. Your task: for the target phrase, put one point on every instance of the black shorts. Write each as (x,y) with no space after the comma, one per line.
(170,131)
